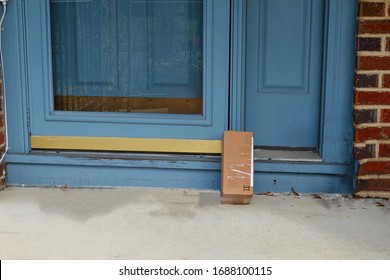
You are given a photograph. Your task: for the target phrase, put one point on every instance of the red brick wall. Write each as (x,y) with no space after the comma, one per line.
(2,145)
(372,96)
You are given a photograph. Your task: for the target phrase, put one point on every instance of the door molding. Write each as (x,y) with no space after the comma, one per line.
(237,65)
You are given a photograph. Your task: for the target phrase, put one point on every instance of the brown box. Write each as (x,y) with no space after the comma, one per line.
(237,167)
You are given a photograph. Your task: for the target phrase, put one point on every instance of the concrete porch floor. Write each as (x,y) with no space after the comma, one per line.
(142,223)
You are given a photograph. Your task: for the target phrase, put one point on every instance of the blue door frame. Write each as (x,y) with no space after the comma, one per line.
(52,168)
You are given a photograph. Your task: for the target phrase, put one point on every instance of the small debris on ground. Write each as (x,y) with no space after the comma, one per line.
(266,193)
(355,196)
(379,204)
(293,192)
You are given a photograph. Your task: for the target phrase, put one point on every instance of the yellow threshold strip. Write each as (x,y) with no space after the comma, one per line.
(126,144)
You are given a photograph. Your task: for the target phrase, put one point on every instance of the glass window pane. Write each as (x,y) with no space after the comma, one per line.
(143,56)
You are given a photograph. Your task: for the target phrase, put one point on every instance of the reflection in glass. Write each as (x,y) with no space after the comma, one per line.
(141,56)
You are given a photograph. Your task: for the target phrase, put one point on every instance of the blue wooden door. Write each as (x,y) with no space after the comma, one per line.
(283,72)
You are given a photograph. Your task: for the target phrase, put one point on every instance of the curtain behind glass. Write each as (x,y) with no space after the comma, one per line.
(128,56)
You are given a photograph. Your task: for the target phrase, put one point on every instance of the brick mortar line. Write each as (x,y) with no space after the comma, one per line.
(372,71)
(374,141)
(380,80)
(359,145)
(373,177)
(370,107)
(372,35)
(378,89)
(373,54)
(371,142)
(375,18)
(377,150)
(373,125)
(377,159)
(373,89)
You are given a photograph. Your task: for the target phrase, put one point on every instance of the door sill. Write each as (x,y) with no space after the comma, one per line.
(286,155)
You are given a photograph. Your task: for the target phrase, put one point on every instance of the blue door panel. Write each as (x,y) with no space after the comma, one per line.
(284,47)
(283,71)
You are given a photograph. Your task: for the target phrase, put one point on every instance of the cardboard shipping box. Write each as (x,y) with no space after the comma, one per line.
(237,167)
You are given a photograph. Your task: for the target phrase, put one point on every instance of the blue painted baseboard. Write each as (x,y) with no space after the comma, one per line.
(169,171)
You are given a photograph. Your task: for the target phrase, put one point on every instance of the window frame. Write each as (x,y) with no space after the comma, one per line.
(44,120)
